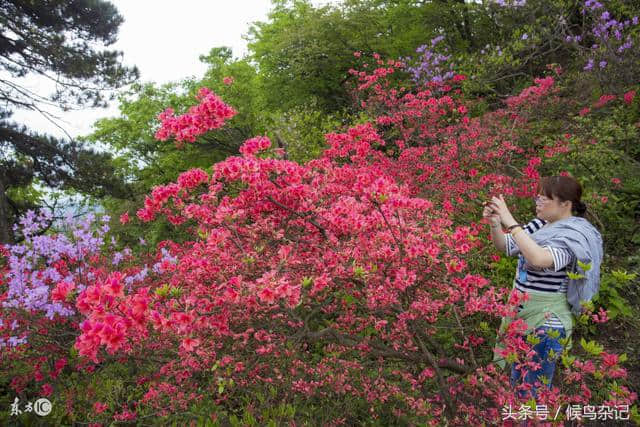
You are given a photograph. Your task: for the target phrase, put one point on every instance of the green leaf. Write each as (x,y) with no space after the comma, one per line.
(575,276)
(623,276)
(348,299)
(553,334)
(531,403)
(163,290)
(533,340)
(484,326)
(588,305)
(585,267)
(567,361)
(591,347)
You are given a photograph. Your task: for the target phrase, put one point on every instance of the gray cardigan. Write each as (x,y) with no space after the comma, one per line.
(584,241)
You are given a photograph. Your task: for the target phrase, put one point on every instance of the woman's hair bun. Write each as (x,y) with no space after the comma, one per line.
(580,208)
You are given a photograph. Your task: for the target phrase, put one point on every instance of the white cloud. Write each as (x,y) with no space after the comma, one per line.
(164,38)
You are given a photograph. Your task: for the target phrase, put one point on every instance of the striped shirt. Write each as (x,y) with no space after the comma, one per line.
(552,279)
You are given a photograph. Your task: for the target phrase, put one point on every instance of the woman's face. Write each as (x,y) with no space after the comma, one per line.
(550,209)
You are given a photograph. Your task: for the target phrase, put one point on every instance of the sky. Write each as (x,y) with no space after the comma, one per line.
(163,39)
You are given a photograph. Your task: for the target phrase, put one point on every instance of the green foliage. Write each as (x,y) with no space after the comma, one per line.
(147,162)
(591,347)
(602,151)
(300,130)
(613,286)
(61,41)
(304,53)
(523,41)
(25,196)
(501,272)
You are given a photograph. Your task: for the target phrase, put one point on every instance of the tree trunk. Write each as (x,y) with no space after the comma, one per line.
(6,235)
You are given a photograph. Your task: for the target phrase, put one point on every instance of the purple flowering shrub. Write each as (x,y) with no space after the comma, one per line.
(38,322)
(40,279)
(595,38)
(433,63)
(33,265)
(608,45)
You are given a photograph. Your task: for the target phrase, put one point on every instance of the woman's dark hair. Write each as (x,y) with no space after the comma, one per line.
(563,188)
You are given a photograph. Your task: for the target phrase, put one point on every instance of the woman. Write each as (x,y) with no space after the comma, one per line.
(552,244)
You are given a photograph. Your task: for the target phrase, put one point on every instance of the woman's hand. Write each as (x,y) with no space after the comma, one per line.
(500,208)
(494,219)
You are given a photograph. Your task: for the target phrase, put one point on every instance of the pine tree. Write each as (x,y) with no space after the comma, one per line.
(64,41)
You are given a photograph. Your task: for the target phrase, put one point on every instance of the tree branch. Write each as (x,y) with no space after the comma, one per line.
(312,220)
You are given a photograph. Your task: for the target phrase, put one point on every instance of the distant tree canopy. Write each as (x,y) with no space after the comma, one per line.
(59,41)
(304,52)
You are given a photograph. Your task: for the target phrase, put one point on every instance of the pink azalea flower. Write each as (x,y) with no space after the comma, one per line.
(189,344)
(629,96)
(46,390)
(100,407)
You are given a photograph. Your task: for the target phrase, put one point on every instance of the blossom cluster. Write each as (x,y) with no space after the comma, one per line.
(110,317)
(612,37)
(533,94)
(211,113)
(367,80)
(433,65)
(253,145)
(606,99)
(60,260)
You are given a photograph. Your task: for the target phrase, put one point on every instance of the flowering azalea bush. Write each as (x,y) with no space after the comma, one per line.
(210,114)
(344,281)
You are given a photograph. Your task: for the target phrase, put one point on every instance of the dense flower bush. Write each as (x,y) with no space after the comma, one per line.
(344,279)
